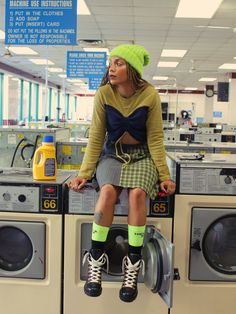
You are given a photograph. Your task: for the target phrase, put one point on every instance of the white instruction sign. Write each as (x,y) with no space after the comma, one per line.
(212,181)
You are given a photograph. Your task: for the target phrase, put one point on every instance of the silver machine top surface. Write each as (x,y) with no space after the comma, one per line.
(211,174)
(24,175)
(205,161)
(178,144)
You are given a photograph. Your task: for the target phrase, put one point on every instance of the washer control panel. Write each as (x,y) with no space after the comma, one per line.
(84,203)
(19,192)
(19,198)
(212,181)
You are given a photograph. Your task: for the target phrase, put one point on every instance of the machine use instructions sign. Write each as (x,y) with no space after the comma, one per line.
(41,22)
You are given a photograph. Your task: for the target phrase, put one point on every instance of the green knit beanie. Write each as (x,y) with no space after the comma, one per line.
(135,55)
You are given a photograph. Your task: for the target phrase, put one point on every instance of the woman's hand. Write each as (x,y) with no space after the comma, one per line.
(168,187)
(77,184)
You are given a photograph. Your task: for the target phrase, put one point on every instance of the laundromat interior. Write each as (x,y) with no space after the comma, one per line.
(53,55)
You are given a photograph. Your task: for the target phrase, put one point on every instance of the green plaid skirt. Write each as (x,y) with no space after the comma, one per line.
(132,168)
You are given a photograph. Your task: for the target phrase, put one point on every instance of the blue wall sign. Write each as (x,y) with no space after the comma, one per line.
(40,22)
(82,64)
(217,114)
(199,120)
(94,82)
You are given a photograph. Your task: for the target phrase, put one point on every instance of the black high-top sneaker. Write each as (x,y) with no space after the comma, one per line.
(131,266)
(96,259)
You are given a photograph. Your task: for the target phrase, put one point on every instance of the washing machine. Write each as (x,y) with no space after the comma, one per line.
(70,154)
(155,287)
(224,148)
(205,234)
(189,147)
(31,238)
(17,144)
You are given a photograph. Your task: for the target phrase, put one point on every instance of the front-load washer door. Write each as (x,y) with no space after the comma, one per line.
(116,248)
(22,249)
(158,256)
(213,244)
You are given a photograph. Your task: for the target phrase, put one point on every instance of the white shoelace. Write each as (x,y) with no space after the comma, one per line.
(95,266)
(131,272)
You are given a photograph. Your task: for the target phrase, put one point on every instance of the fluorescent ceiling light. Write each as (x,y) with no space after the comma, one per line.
(2,34)
(160,78)
(80,84)
(163,64)
(197,9)
(219,27)
(23,51)
(216,27)
(191,88)
(173,53)
(228,66)
(165,92)
(207,79)
(62,75)
(75,81)
(82,8)
(82,87)
(41,61)
(55,70)
(98,50)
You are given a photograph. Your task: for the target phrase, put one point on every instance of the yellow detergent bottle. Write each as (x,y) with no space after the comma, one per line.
(44,162)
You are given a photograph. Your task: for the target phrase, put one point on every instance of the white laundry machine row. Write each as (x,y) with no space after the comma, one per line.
(31,242)
(205,234)
(155,287)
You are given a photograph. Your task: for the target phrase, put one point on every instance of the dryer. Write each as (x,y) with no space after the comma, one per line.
(31,225)
(205,233)
(158,253)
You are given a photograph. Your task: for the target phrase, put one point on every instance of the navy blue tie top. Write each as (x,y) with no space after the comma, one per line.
(134,124)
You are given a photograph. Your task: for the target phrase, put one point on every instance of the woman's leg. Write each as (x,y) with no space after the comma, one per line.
(105,205)
(137,207)
(136,229)
(136,220)
(103,216)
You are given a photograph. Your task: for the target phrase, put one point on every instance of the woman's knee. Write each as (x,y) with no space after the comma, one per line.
(137,207)
(137,194)
(109,193)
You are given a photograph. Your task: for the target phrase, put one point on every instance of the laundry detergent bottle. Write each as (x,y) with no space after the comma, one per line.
(44,162)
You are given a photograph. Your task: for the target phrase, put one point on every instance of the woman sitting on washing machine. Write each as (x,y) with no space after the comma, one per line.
(126,150)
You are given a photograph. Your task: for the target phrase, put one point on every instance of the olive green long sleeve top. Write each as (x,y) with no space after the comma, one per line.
(108,97)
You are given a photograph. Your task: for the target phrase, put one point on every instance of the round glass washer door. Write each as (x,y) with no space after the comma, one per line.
(219,245)
(158,256)
(16,249)
(116,249)
(22,249)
